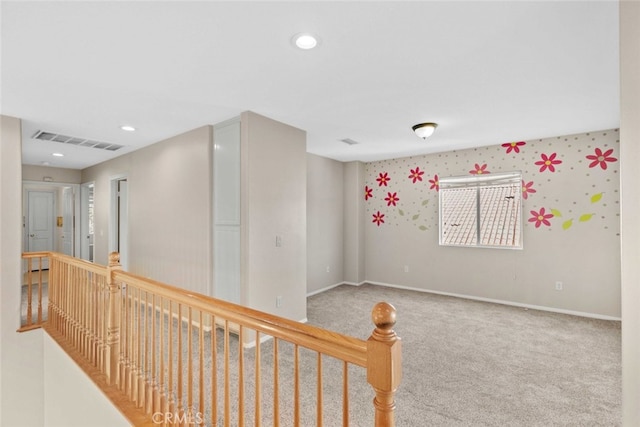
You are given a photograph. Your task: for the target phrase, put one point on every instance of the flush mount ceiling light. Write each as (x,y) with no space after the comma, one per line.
(57,155)
(128,128)
(425,130)
(305,41)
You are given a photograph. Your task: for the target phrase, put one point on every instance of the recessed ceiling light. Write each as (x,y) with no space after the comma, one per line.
(58,155)
(128,128)
(305,41)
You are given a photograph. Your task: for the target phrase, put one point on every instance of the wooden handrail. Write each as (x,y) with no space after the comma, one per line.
(143,341)
(331,343)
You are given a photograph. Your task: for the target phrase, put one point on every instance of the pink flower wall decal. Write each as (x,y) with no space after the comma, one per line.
(391,199)
(527,189)
(548,162)
(416,174)
(378,218)
(479,170)
(368,192)
(513,146)
(600,158)
(383,179)
(540,217)
(435,183)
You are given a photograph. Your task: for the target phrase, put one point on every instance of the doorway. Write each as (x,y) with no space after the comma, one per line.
(49,210)
(119,227)
(87,220)
(39,225)
(67,245)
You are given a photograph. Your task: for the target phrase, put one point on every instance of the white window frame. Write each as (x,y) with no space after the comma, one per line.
(481,211)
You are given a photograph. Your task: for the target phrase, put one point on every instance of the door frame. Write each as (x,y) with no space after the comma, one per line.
(114,224)
(51,186)
(51,226)
(86,252)
(68,230)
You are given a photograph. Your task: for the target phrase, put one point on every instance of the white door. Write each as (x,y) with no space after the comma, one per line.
(40,226)
(67,221)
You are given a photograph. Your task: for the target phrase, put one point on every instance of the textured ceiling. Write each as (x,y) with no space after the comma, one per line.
(486,72)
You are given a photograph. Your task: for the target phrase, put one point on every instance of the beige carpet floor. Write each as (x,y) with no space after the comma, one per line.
(470,363)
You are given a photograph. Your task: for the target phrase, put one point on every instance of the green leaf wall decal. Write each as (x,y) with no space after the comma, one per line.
(425,202)
(596,197)
(401,212)
(422,227)
(415,217)
(567,224)
(556,212)
(585,217)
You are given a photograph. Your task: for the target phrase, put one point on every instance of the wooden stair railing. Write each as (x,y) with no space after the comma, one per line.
(168,356)
(33,284)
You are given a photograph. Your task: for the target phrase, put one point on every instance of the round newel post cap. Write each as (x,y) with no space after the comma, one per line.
(384,317)
(114,259)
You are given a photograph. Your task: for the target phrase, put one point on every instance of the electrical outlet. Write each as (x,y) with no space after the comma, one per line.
(558,286)
(328,269)
(278,241)
(278,301)
(406,268)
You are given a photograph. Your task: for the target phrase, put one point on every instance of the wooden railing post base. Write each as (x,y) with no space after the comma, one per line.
(384,363)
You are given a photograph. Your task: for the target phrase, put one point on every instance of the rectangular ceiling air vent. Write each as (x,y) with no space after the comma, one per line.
(82,142)
(46,136)
(349,141)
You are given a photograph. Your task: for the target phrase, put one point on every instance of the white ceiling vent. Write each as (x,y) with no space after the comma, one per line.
(64,139)
(349,141)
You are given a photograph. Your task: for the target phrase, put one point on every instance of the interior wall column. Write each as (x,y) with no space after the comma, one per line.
(354,266)
(630,206)
(21,355)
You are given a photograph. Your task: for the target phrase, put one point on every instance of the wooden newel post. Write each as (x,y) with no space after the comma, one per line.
(113,322)
(384,363)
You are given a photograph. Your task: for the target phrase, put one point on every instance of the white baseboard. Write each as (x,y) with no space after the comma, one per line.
(354,284)
(497,301)
(319,291)
(475,298)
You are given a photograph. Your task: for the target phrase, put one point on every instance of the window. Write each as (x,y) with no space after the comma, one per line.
(481,211)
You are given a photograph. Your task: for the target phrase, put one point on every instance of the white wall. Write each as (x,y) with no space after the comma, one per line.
(274,200)
(630,235)
(579,246)
(170,195)
(325,227)
(101,174)
(70,397)
(39,173)
(590,275)
(336,223)
(21,370)
(170,212)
